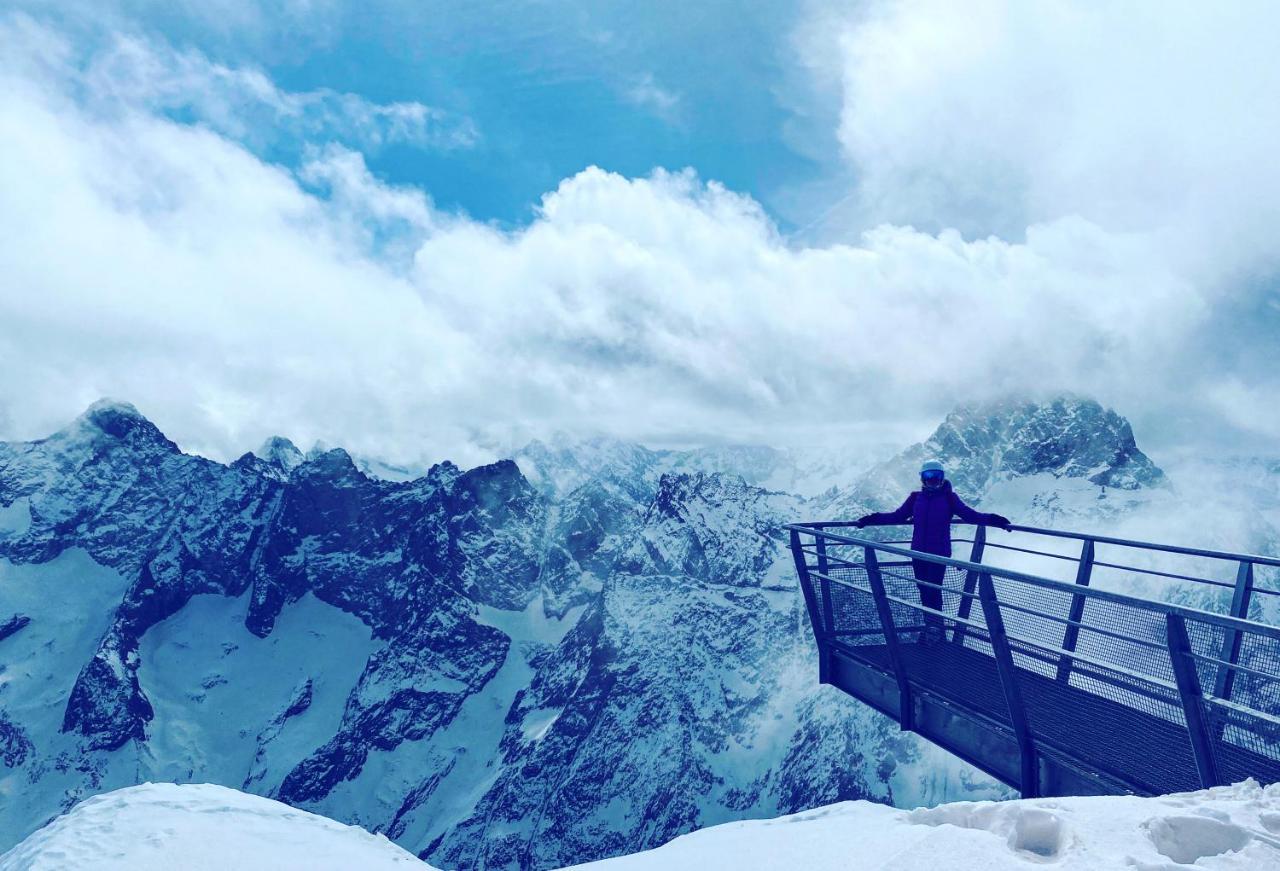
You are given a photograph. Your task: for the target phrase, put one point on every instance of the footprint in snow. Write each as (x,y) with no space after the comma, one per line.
(1187,839)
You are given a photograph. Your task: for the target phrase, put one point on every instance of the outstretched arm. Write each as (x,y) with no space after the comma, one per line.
(884,518)
(968,515)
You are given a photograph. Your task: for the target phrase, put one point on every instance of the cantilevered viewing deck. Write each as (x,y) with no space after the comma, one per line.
(1043,669)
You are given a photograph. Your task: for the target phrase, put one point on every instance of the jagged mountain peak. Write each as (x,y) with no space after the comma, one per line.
(984,444)
(281,453)
(678,489)
(117,420)
(331,463)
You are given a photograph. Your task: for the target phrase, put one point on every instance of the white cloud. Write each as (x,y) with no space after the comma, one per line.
(229,298)
(646,93)
(134,73)
(998,114)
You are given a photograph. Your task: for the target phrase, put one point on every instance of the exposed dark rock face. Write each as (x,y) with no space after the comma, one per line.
(12,625)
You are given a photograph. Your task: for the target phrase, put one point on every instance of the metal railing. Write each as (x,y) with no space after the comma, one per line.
(1143,695)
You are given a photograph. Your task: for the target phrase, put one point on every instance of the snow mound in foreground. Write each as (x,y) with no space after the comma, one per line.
(1229,827)
(199,827)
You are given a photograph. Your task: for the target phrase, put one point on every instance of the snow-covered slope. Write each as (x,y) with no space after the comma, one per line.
(1232,827)
(200,827)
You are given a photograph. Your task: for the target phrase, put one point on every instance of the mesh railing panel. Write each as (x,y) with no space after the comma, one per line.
(900,583)
(1120,725)
(853,608)
(1206,640)
(1136,624)
(1044,628)
(1244,745)
(1261,654)
(962,675)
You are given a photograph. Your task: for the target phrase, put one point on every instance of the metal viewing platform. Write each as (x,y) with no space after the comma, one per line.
(1040,671)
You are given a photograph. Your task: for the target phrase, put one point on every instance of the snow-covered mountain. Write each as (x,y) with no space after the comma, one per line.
(583,652)
(201,826)
(563,463)
(1051,463)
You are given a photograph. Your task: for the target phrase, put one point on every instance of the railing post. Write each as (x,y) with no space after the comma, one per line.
(1083,571)
(1188,680)
(970,583)
(829,629)
(806,588)
(828,613)
(1231,639)
(1029,781)
(890,638)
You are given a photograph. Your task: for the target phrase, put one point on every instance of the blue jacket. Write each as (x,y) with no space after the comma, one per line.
(930,512)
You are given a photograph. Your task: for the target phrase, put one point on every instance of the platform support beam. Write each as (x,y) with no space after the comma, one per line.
(890,638)
(1222,685)
(1188,680)
(1072,636)
(970,582)
(806,588)
(1030,768)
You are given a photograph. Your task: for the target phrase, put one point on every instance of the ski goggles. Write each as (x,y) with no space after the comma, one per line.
(932,475)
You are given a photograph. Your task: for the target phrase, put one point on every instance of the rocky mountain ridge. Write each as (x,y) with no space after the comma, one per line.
(584,651)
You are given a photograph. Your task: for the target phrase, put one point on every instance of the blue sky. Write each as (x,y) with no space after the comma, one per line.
(551,88)
(379,225)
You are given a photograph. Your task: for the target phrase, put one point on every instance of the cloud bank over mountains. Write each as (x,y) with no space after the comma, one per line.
(1094,199)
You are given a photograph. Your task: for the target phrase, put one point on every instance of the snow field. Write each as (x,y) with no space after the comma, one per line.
(1234,827)
(200,827)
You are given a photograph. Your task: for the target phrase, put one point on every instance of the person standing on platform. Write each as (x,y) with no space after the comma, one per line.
(929,511)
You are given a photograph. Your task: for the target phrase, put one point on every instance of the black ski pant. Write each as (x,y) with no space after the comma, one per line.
(930,597)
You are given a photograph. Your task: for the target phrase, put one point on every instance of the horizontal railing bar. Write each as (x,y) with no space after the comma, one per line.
(1159,573)
(1257,559)
(1061,556)
(1152,545)
(845,582)
(1201,616)
(1056,653)
(1241,709)
(937,586)
(926,610)
(1235,666)
(1067,621)
(1084,670)
(828,556)
(1087,672)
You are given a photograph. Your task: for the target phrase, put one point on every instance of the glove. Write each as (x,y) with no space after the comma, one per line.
(1001,521)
